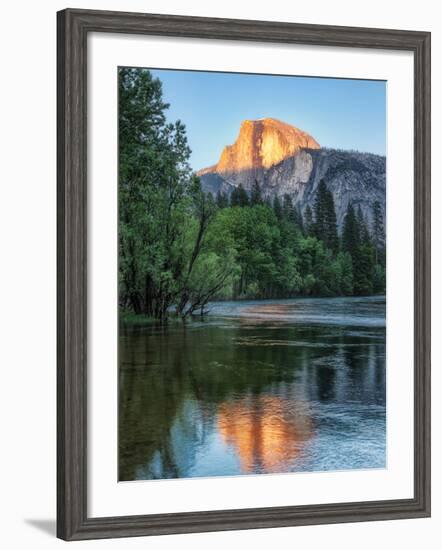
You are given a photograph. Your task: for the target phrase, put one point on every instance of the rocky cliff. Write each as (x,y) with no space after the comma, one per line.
(284,159)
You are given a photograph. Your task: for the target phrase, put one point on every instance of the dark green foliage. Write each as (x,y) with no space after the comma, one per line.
(345,273)
(368,274)
(292,214)
(163,213)
(364,233)
(350,233)
(324,227)
(378,279)
(308,222)
(288,210)
(277,207)
(298,219)
(239,197)
(256,196)
(363,264)
(320,212)
(222,200)
(332,239)
(154,177)
(378,233)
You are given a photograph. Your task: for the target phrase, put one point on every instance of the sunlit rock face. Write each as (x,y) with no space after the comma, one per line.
(286,160)
(260,145)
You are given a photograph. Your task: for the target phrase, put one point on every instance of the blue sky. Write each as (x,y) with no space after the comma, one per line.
(341,113)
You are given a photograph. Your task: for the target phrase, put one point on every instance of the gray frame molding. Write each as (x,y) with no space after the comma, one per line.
(73,27)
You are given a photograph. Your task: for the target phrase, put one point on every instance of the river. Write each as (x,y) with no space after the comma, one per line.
(255,388)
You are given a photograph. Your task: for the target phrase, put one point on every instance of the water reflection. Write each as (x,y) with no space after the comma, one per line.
(238,394)
(266,431)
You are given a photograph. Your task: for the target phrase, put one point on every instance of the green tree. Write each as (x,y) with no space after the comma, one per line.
(332,238)
(364,234)
(378,232)
(346,267)
(222,200)
(214,269)
(363,264)
(379,279)
(256,196)
(239,197)
(288,210)
(163,213)
(267,266)
(315,263)
(154,177)
(320,212)
(277,207)
(298,219)
(350,232)
(325,227)
(342,274)
(308,222)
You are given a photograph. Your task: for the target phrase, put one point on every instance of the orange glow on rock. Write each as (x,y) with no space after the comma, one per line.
(261,144)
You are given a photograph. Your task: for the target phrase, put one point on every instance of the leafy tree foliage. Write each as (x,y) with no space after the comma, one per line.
(163,214)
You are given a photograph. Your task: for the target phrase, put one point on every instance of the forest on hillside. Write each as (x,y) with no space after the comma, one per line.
(180,248)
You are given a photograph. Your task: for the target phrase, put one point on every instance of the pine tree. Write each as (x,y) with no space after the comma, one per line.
(363,264)
(299,220)
(308,222)
(325,227)
(256,196)
(292,213)
(378,279)
(239,197)
(234,197)
(320,212)
(332,238)
(222,201)
(243,197)
(356,241)
(288,212)
(378,233)
(277,208)
(346,273)
(364,234)
(350,232)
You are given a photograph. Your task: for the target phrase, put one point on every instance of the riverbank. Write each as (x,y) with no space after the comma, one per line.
(291,309)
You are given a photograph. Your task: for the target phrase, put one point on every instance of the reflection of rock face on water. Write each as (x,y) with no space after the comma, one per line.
(263,387)
(266,431)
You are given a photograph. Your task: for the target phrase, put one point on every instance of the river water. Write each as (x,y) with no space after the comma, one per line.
(255,387)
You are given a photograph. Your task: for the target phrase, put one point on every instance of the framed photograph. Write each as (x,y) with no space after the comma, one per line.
(243,274)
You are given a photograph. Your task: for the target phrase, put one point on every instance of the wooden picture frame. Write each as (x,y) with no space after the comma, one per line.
(73,28)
